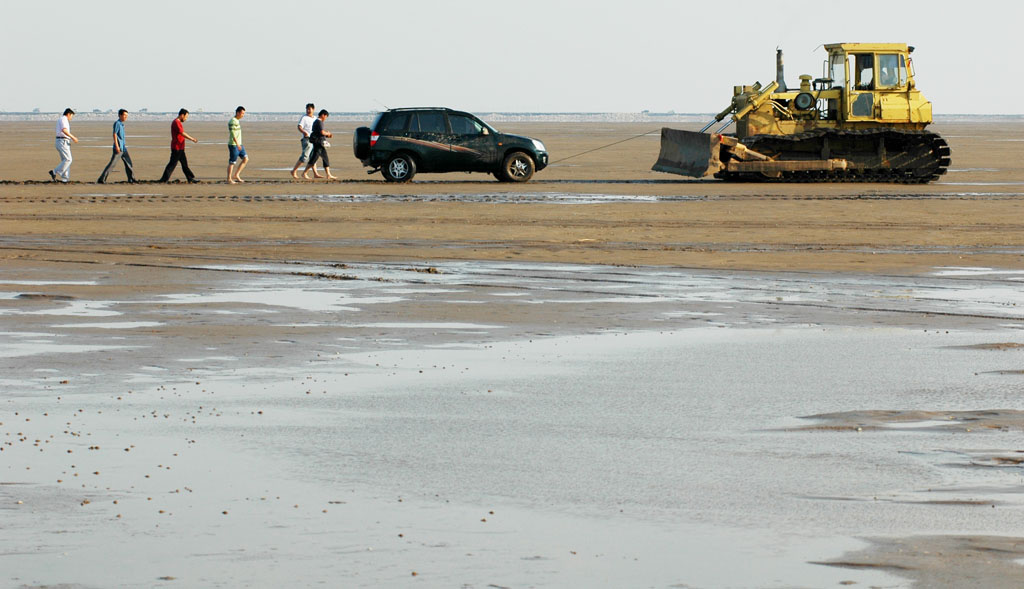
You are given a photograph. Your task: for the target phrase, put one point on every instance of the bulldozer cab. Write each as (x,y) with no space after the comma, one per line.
(876,84)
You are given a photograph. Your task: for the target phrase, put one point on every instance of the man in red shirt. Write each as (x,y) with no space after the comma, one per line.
(178,137)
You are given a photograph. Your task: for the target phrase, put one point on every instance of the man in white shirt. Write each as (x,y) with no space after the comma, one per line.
(306,127)
(63,144)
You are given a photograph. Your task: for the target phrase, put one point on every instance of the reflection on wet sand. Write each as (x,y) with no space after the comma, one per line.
(644,419)
(944,561)
(909,420)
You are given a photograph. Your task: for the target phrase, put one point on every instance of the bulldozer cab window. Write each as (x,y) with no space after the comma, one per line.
(863,71)
(838,67)
(892,71)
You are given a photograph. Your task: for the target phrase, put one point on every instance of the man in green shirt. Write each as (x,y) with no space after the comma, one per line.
(236,151)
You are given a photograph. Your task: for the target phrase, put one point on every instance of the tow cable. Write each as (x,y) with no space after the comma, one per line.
(605,146)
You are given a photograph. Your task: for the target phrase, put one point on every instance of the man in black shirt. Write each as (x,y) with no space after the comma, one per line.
(319,138)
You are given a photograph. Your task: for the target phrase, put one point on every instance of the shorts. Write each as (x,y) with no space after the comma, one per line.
(236,152)
(319,151)
(307,149)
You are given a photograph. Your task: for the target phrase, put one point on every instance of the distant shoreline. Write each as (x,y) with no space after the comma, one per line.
(498,117)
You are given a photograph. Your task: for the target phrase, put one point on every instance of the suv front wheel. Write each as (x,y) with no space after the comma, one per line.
(517,167)
(399,168)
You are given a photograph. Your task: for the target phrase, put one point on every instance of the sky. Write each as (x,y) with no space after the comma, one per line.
(481,55)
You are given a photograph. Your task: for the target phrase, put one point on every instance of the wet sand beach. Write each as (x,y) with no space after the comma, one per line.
(604,377)
(632,215)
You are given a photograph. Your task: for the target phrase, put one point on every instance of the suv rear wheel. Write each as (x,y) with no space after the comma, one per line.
(517,167)
(399,168)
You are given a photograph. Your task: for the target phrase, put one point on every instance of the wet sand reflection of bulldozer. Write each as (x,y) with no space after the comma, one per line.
(862,121)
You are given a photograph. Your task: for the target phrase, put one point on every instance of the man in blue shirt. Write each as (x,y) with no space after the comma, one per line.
(119,150)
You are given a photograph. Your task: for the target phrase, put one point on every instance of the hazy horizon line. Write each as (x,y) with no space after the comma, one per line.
(269,116)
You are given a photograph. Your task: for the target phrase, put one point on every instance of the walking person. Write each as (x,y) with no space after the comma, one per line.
(306,128)
(120,150)
(178,137)
(318,137)
(236,150)
(63,144)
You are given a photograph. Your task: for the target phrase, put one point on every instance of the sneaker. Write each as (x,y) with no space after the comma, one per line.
(194,181)
(53,177)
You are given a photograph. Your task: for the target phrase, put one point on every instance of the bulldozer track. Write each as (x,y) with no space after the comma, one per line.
(876,155)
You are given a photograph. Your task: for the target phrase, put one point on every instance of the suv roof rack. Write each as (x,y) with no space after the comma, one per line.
(422,108)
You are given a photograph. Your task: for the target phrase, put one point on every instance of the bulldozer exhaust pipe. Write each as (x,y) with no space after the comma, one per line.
(780,74)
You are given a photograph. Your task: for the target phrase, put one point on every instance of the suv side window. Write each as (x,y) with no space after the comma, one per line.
(427,122)
(463,125)
(398,122)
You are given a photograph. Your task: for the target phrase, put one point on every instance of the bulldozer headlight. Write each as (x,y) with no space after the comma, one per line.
(804,101)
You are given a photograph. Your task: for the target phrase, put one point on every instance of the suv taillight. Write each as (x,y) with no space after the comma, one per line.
(373,138)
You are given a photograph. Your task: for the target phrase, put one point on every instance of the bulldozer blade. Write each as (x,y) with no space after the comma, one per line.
(688,153)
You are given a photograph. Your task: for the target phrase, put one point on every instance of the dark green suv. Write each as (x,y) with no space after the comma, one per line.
(403,141)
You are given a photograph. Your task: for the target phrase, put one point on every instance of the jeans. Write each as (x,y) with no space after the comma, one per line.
(63,169)
(127,159)
(177,155)
(307,150)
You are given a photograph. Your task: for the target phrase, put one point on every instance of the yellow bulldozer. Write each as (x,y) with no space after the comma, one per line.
(863,120)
